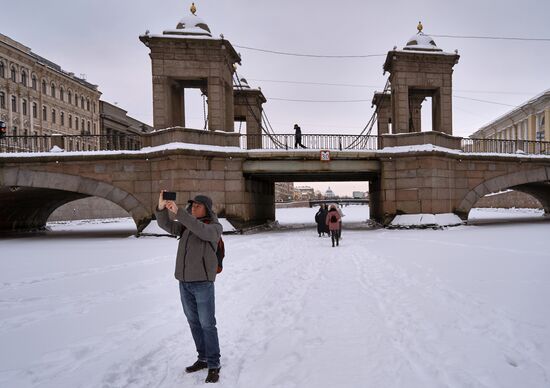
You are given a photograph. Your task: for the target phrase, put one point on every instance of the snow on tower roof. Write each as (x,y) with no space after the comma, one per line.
(190,25)
(421,41)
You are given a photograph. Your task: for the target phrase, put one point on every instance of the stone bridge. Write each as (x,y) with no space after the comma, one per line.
(402,181)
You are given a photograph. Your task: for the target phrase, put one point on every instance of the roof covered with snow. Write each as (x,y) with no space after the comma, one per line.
(190,26)
(421,42)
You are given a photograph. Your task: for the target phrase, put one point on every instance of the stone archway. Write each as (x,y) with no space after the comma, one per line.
(534,182)
(31,196)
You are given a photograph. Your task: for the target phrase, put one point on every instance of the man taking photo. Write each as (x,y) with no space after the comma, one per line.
(198,230)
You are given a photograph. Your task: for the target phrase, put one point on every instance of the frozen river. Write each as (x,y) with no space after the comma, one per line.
(89,305)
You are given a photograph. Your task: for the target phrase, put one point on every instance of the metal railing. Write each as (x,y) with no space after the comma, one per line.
(529,147)
(311,141)
(45,143)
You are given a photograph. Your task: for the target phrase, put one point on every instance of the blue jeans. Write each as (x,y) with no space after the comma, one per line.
(197,299)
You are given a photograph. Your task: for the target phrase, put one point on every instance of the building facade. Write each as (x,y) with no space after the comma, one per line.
(119,130)
(529,121)
(304,193)
(37,97)
(284,191)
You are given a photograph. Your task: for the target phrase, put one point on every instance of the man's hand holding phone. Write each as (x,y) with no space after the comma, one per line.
(166,200)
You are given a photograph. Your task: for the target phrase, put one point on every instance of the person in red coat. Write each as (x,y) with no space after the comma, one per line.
(334,222)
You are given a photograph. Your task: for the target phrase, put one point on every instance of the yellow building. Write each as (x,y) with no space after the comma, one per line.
(529,121)
(37,97)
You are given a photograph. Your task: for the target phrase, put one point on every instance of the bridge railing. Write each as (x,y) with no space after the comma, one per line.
(313,141)
(500,146)
(45,143)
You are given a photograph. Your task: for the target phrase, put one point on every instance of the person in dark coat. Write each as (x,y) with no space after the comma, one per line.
(320,219)
(298,137)
(325,226)
(333,221)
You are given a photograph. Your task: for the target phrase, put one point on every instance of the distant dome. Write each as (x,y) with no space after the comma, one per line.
(421,42)
(191,25)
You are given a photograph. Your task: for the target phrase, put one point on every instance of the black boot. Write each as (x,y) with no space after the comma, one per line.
(198,365)
(213,375)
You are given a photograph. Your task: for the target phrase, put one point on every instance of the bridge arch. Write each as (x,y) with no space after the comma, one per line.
(534,182)
(31,196)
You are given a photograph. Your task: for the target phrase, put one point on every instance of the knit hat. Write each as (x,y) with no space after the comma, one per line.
(206,201)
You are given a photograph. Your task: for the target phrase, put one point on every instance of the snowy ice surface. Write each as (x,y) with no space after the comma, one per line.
(458,307)
(153,227)
(447,219)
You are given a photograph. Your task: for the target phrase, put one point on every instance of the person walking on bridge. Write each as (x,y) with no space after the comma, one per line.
(298,137)
(198,231)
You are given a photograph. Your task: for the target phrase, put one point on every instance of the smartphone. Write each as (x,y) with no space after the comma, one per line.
(169,195)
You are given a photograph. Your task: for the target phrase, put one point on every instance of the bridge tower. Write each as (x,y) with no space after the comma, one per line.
(189,57)
(419,70)
(248,109)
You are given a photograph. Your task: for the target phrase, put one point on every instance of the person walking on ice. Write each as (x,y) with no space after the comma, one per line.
(334,222)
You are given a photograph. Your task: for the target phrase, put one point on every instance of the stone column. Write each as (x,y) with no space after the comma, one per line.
(161,98)
(416,106)
(437,110)
(229,108)
(253,128)
(400,109)
(547,124)
(216,108)
(446,104)
(532,127)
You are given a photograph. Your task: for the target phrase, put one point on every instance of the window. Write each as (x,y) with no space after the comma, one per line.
(53,116)
(88,105)
(61,93)
(82,126)
(13,74)
(2,100)
(95,128)
(34,86)
(43,86)
(94,107)
(52,89)
(24,77)
(76,99)
(62,118)
(24,107)
(69,97)
(82,102)
(13,104)
(2,70)
(44,113)
(76,123)
(34,110)
(89,127)
(70,121)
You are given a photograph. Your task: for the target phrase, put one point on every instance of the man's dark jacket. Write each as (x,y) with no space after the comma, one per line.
(196,259)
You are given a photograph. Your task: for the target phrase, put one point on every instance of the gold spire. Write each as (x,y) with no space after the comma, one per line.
(419,27)
(193,9)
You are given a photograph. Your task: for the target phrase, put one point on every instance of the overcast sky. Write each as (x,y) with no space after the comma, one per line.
(99,38)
